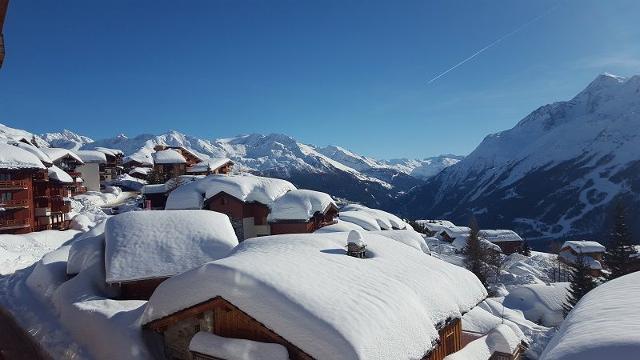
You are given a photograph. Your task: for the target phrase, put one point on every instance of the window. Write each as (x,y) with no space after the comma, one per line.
(6,196)
(5,177)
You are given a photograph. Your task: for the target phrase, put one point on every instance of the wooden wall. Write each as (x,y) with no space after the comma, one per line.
(450,341)
(19,215)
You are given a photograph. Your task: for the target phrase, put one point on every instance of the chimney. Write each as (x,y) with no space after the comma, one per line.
(356,246)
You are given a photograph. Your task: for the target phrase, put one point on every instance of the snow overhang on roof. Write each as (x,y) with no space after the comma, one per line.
(168,156)
(208,165)
(300,204)
(584,247)
(92,156)
(59,153)
(322,303)
(14,157)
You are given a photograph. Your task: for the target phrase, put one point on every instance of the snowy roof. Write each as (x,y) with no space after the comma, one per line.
(408,237)
(210,164)
(236,349)
(584,247)
(58,153)
(300,204)
(142,156)
(245,187)
(603,325)
(140,170)
(384,219)
(539,301)
(435,225)
(92,156)
(109,151)
(456,231)
(168,156)
(44,158)
(154,189)
(339,226)
(330,305)
(60,175)
(14,157)
(496,236)
(590,262)
(500,339)
(151,244)
(361,219)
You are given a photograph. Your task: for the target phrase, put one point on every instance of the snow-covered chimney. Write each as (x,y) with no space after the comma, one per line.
(356,246)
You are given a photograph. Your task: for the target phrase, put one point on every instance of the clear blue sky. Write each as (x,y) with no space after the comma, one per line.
(352,73)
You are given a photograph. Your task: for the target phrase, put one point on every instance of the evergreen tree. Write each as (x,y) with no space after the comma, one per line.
(581,284)
(475,253)
(620,247)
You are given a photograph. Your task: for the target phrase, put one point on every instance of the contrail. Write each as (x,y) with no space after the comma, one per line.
(494,43)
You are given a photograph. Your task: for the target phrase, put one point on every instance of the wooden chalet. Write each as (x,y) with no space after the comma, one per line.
(248,218)
(69,162)
(239,308)
(508,240)
(190,157)
(168,164)
(18,170)
(591,251)
(50,195)
(302,211)
(211,166)
(110,169)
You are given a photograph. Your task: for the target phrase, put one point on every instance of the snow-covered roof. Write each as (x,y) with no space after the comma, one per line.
(456,231)
(209,164)
(60,175)
(500,339)
(502,235)
(44,158)
(245,187)
(151,244)
(584,247)
(603,325)
(140,170)
(168,156)
(590,262)
(14,157)
(339,226)
(58,153)
(435,225)
(300,204)
(109,151)
(142,156)
(361,219)
(408,237)
(305,288)
(92,156)
(236,349)
(384,219)
(154,189)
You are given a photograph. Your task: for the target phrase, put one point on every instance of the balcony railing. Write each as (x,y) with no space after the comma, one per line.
(14,203)
(41,176)
(14,184)
(13,223)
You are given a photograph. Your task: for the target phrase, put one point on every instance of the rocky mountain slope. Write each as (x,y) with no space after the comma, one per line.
(555,174)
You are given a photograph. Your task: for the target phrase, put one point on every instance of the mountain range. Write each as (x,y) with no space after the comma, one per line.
(556,174)
(345,174)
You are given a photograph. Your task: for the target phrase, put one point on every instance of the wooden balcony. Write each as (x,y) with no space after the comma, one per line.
(41,176)
(14,185)
(9,224)
(13,204)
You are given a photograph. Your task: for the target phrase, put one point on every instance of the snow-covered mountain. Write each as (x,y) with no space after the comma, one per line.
(555,174)
(66,139)
(332,169)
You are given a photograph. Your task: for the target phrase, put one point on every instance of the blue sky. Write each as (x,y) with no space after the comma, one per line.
(351,73)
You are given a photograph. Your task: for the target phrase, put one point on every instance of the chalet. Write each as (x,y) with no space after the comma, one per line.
(18,168)
(508,241)
(591,251)
(113,166)
(155,195)
(68,161)
(211,166)
(303,292)
(140,159)
(449,234)
(169,164)
(141,173)
(501,343)
(51,192)
(301,211)
(245,198)
(190,156)
(603,324)
(434,227)
(94,161)
(144,248)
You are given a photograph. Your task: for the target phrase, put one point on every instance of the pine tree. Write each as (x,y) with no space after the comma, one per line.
(581,284)
(475,253)
(620,247)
